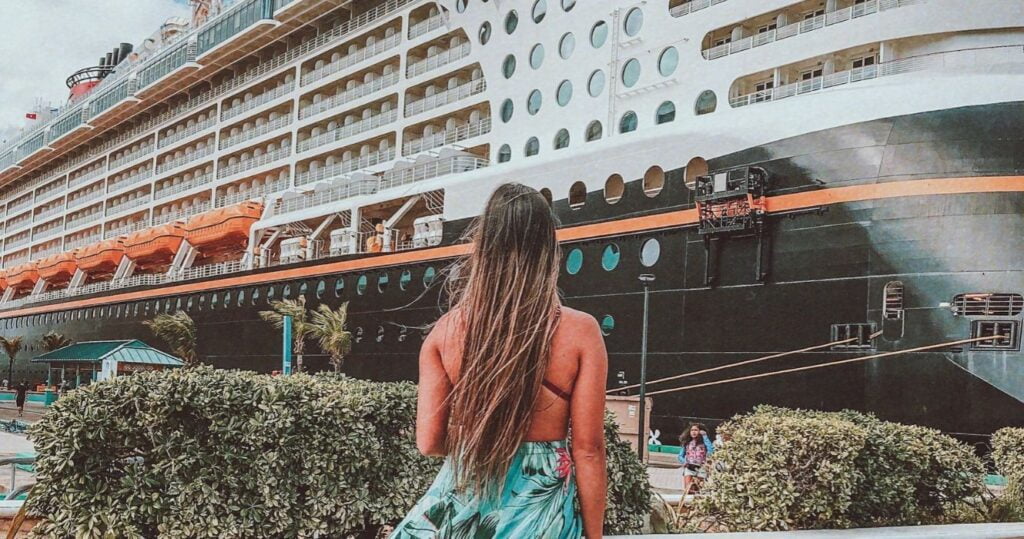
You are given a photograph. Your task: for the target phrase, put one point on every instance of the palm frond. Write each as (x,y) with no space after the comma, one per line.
(328,327)
(11,346)
(53,340)
(178,330)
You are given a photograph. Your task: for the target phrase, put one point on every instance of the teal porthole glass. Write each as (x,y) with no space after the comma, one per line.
(339,287)
(361,285)
(574,262)
(429,275)
(607,324)
(610,257)
(405,279)
(382,282)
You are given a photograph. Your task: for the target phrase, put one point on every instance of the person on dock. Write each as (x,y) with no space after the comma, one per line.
(19,398)
(502,375)
(697,447)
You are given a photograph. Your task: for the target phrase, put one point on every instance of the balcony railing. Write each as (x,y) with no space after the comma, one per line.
(128,228)
(79,201)
(445,97)
(352,59)
(86,178)
(74,222)
(358,91)
(170,190)
(312,199)
(49,251)
(210,270)
(18,242)
(331,172)
(128,205)
(123,160)
(248,164)
(82,242)
(695,5)
(431,169)
(138,177)
(19,205)
(252,193)
(427,25)
(441,59)
(448,136)
(48,230)
(195,209)
(185,159)
(56,209)
(345,131)
(261,99)
(249,134)
(187,132)
(49,190)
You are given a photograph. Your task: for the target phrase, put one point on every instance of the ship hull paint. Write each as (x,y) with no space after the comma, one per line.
(825,265)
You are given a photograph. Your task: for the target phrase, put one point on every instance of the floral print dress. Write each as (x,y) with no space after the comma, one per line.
(538,500)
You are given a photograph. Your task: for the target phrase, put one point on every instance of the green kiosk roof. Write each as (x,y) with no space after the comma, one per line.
(132,351)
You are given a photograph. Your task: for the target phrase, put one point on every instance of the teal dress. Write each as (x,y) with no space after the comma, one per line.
(538,500)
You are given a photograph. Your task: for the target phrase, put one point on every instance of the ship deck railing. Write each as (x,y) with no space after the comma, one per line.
(72,223)
(86,178)
(185,185)
(79,202)
(260,99)
(129,157)
(440,59)
(344,131)
(337,170)
(55,209)
(253,162)
(116,231)
(167,140)
(351,59)
(431,169)
(252,193)
(694,5)
(134,179)
(422,27)
(258,131)
(445,97)
(315,198)
(71,245)
(358,91)
(447,137)
(131,204)
(47,229)
(181,214)
(185,159)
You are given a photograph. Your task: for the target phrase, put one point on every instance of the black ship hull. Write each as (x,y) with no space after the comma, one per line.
(933,201)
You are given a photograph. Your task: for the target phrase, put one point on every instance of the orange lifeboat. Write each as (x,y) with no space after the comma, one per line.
(100,257)
(3,280)
(58,268)
(23,276)
(156,244)
(223,228)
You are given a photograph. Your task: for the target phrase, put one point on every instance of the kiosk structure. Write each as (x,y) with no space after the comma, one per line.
(93,361)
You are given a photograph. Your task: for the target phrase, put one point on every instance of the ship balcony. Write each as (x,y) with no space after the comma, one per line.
(50,211)
(179,185)
(321,197)
(76,201)
(126,158)
(447,137)
(186,157)
(16,260)
(99,169)
(356,92)
(127,202)
(48,251)
(280,62)
(179,212)
(121,181)
(335,171)
(20,204)
(445,97)
(685,8)
(127,228)
(16,242)
(260,130)
(84,217)
(76,241)
(417,172)
(47,229)
(184,131)
(246,164)
(257,101)
(441,59)
(352,58)
(18,223)
(340,133)
(185,108)
(427,25)
(251,191)
(57,188)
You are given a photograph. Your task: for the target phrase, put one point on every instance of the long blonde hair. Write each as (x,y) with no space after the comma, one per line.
(506,300)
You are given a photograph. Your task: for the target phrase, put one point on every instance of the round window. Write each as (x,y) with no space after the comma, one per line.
(574,262)
(286,292)
(596,83)
(668,61)
(532,147)
(382,282)
(339,286)
(227,299)
(564,93)
(504,153)
(566,45)
(537,56)
(607,325)
(511,21)
(361,285)
(599,34)
(508,66)
(610,257)
(270,294)
(485,33)
(634,22)
(213,300)
(241,297)
(562,139)
(650,252)
(567,5)
(631,72)
(628,122)
(540,9)
(533,102)
(507,108)
(429,275)
(666,113)
(460,5)
(321,287)
(303,289)
(594,131)
(405,279)
(255,295)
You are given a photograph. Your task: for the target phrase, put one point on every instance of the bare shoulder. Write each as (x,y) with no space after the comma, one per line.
(578,323)
(442,329)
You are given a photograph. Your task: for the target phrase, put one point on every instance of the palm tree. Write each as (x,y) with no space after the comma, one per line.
(178,330)
(11,348)
(53,340)
(295,308)
(328,326)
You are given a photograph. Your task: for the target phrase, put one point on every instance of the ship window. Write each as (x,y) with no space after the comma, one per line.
(892,301)
(634,22)
(404,280)
(564,93)
(460,5)
(654,181)
(599,34)
(706,102)
(202,301)
(214,300)
(628,122)
(532,147)
(666,113)
(255,295)
(614,188)
(188,305)
(507,108)
(339,286)
(577,195)
(533,102)
(668,61)
(562,139)
(177,306)
(511,22)
(610,257)
(485,33)
(227,299)
(429,275)
(650,252)
(382,282)
(631,72)
(321,287)
(594,131)
(537,56)
(540,9)
(574,262)
(987,304)
(1005,335)
(504,153)
(607,325)
(508,66)
(241,297)
(596,83)
(566,45)
(286,292)
(303,288)
(855,336)
(567,5)
(270,294)
(695,168)
(361,285)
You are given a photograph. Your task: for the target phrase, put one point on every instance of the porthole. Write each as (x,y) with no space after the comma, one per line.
(666,113)
(567,5)
(537,56)
(628,122)
(566,45)
(214,300)
(227,299)
(532,147)
(255,295)
(511,22)
(533,102)
(577,195)
(650,252)
(654,181)
(634,22)
(610,257)
(668,61)
(695,168)
(286,292)
(271,292)
(321,287)
(202,301)
(607,325)
(241,297)
(485,33)
(339,286)
(460,5)
(562,139)
(540,9)
(188,305)
(429,275)
(574,261)
(382,282)
(599,34)
(594,131)
(507,108)
(504,153)
(707,102)
(361,285)
(596,83)
(404,280)
(614,188)
(564,93)
(508,66)
(177,306)
(631,72)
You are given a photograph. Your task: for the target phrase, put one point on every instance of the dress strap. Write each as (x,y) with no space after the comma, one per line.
(559,392)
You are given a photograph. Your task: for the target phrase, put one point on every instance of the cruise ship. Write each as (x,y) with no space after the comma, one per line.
(816,181)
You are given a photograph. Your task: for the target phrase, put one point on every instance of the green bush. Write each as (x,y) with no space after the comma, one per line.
(794,469)
(212,453)
(629,491)
(1008,454)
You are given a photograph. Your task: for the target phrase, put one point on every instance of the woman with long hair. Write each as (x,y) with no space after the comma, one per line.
(502,376)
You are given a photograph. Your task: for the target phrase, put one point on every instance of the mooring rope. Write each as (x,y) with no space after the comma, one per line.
(745,362)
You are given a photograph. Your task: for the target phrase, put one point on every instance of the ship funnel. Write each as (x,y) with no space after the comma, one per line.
(126,49)
(103,61)
(110,59)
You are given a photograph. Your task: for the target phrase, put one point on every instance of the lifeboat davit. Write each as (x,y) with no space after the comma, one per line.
(101,257)
(58,268)
(223,228)
(23,276)
(154,245)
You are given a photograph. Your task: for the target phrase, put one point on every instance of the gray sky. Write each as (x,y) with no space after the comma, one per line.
(44,41)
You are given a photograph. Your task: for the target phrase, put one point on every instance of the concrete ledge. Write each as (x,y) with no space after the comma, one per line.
(966,531)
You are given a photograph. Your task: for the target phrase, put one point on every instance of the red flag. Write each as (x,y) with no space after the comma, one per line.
(31,115)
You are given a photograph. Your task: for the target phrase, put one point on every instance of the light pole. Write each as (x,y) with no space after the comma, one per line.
(646,279)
